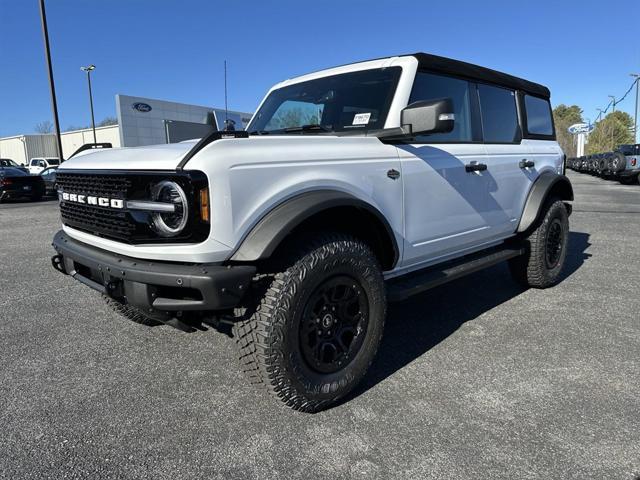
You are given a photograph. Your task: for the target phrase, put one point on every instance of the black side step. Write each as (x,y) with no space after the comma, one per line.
(417,282)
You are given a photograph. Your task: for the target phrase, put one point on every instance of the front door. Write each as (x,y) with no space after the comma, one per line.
(447,208)
(448,202)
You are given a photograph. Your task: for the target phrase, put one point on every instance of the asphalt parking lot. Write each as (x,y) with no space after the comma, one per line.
(476,379)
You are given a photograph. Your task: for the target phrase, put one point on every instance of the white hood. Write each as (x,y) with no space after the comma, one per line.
(152,157)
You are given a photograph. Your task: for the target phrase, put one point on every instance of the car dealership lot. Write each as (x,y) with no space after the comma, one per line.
(475,379)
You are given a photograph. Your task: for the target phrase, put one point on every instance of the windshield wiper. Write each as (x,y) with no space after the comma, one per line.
(307,128)
(259,132)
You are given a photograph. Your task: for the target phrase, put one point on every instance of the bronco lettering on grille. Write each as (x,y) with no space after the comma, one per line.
(90,200)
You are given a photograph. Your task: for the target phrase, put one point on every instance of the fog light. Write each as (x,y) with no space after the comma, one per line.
(170,224)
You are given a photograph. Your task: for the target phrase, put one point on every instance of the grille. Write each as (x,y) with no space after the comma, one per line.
(106,222)
(124,225)
(113,186)
(98,220)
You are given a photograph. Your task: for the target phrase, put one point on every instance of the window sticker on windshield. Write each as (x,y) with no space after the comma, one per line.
(361,119)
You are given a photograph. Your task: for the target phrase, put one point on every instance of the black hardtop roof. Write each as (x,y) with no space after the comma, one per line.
(476,72)
(470,71)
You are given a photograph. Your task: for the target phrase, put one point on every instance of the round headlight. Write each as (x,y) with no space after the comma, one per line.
(170,224)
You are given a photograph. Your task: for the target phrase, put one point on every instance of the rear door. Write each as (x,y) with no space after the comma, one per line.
(507,155)
(543,150)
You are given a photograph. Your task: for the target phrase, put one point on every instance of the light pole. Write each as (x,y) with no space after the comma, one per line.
(90,69)
(52,87)
(635,121)
(613,103)
(600,115)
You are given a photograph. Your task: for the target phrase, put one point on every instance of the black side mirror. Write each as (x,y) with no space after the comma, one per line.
(428,116)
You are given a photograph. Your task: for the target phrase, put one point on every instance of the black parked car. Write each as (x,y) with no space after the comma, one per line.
(7,162)
(49,178)
(16,183)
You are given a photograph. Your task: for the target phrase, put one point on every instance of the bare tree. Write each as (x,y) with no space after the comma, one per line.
(107,121)
(44,127)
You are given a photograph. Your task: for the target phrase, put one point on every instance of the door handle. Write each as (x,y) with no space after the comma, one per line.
(524,163)
(475,167)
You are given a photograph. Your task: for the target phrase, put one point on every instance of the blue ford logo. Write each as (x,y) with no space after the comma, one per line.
(141,107)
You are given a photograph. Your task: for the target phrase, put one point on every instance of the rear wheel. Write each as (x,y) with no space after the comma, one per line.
(632,180)
(313,327)
(546,249)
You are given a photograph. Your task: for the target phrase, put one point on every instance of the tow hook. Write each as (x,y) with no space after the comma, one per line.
(58,264)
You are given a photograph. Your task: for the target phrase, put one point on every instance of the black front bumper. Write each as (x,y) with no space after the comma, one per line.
(155,287)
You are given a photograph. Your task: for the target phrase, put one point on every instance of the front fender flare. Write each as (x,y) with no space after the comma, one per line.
(546,184)
(279,222)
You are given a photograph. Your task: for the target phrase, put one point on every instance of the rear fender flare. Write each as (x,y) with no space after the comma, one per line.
(547,184)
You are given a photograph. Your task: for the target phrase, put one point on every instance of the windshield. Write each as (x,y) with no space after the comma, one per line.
(356,101)
(7,162)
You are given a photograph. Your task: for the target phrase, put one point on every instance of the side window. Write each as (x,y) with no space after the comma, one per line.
(538,116)
(499,114)
(34,162)
(42,164)
(429,86)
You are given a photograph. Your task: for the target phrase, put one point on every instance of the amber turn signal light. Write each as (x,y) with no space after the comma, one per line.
(204,205)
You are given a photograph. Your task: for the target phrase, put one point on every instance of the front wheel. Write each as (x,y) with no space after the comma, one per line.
(313,327)
(546,249)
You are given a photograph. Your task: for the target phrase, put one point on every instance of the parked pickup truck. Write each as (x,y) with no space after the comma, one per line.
(630,161)
(351,187)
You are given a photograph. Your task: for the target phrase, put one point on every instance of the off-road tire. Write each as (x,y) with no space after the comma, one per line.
(618,162)
(533,268)
(267,330)
(130,313)
(631,180)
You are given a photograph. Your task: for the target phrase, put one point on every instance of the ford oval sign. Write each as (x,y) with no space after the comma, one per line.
(578,128)
(141,107)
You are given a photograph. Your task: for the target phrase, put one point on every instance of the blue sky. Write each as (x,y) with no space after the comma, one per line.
(174,50)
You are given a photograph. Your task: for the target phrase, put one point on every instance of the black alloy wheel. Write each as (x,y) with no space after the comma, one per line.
(334,324)
(554,243)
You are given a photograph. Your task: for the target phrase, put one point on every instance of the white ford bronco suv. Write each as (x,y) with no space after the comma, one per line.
(351,187)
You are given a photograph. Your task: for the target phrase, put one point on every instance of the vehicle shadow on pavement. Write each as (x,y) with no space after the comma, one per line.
(415,326)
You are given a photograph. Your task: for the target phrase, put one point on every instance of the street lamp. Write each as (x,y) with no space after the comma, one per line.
(635,121)
(90,69)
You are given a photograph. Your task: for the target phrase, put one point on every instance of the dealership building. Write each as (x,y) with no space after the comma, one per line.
(141,121)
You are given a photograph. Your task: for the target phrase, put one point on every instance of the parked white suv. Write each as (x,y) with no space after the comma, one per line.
(38,164)
(352,186)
